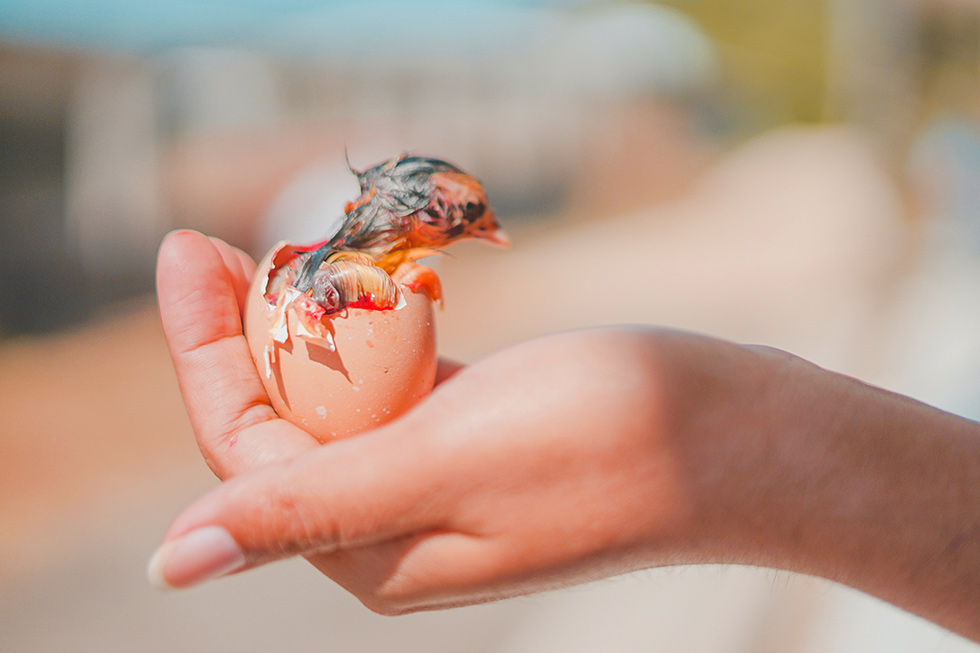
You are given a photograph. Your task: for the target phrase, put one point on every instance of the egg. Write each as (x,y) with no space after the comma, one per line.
(339,374)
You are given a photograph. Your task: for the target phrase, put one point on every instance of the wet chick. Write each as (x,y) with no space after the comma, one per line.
(408,203)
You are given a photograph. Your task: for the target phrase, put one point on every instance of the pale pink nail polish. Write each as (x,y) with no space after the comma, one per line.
(200,555)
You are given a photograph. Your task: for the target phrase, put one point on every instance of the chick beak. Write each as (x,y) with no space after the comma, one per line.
(488,229)
(496,237)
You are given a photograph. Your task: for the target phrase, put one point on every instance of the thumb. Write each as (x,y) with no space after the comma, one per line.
(358,492)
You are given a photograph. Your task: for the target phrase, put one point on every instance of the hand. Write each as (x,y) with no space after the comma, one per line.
(546,464)
(568,458)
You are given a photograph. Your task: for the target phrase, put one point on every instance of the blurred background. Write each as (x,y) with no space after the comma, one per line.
(799,173)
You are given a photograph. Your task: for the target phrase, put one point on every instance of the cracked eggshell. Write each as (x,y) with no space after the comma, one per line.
(382,364)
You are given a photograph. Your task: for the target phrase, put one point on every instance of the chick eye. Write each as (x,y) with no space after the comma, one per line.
(473,211)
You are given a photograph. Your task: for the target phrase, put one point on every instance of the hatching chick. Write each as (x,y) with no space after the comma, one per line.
(406,203)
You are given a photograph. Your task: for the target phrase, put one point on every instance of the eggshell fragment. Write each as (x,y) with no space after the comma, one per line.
(364,368)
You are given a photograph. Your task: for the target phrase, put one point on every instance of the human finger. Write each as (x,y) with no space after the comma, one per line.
(241,269)
(236,427)
(378,489)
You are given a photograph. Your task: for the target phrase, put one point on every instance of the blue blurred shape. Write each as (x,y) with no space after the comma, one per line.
(151,25)
(945,161)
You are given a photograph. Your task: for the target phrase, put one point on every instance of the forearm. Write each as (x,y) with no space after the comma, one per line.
(842,480)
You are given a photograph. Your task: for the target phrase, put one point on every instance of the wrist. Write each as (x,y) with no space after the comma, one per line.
(815,472)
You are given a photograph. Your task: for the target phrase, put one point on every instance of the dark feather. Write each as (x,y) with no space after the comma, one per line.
(391,194)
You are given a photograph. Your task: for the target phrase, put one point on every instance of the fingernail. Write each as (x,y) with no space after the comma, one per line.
(201,555)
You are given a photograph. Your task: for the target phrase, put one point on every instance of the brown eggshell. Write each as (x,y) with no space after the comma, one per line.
(383,364)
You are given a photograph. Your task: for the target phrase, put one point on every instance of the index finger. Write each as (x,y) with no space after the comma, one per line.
(236,427)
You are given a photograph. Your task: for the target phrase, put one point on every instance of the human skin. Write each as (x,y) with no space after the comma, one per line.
(569,458)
